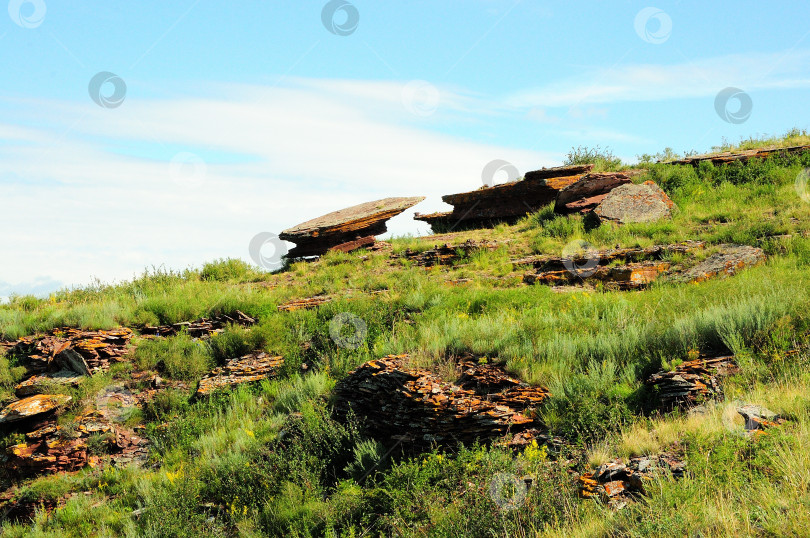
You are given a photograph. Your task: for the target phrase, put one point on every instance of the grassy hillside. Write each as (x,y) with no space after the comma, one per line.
(272,458)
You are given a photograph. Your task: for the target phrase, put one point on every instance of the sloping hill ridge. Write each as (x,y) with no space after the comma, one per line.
(570,372)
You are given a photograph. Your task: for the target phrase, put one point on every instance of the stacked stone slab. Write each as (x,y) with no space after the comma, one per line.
(251,368)
(692,382)
(399,401)
(507,202)
(315,237)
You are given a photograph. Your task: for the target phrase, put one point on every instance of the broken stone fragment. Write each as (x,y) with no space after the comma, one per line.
(315,237)
(71,360)
(628,203)
(445,254)
(32,406)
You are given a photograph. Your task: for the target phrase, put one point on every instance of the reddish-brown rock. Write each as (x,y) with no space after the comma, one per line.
(315,237)
(588,192)
(84,352)
(202,327)
(395,399)
(616,482)
(507,202)
(693,381)
(247,369)
(302,304)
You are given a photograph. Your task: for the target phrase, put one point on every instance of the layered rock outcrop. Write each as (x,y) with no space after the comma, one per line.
(507,202)
(645,202)
(396,400)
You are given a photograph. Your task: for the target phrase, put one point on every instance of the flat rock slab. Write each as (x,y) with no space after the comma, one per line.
(646,202)
(32,406)
(727,157)
(315,237)
(728,261)
(247,369)
(40,384)
(588,192)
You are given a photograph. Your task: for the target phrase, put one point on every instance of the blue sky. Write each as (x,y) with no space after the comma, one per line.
(240,118)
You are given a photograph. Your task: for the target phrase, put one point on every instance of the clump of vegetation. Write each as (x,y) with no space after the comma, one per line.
(603,158)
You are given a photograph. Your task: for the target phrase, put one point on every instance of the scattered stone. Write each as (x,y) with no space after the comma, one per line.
(248,369)
(315,237)
(202,327)
(642,266)
(646,202)
(350,246)
(617,483)
(728,261)
(507,202)
(32,407)
(397,400)
(692,382)
(742,156)
(445,254)
(588,192)
(51,448)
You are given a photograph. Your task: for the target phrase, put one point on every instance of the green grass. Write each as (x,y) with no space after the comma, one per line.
(270,459)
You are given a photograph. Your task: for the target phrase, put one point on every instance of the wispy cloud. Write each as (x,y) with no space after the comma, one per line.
(700,78)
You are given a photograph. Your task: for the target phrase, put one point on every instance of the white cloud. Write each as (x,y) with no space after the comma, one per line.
(699,78)
(76,206)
